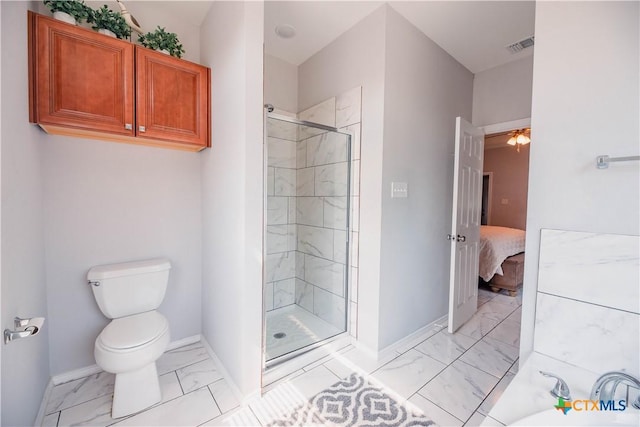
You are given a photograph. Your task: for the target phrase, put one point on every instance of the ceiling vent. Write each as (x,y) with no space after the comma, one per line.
(521,45)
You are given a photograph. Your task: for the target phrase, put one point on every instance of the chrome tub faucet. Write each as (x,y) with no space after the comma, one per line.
(605,386)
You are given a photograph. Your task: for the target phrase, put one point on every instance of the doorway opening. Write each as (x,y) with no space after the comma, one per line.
(487,194)
(500,174)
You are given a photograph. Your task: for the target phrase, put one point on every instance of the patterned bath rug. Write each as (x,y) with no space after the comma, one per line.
(353,402)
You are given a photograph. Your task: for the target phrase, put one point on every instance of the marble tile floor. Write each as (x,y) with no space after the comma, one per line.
(193,392)
(455,379)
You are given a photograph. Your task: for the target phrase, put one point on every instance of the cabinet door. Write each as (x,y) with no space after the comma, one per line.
(172,99)
(82,79)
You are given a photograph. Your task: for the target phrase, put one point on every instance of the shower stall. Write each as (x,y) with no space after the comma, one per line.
(306,266)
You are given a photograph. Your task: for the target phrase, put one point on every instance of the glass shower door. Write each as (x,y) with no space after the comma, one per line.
(306,229)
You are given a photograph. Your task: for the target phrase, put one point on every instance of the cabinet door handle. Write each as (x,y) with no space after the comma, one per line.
(142,128)
(128,126)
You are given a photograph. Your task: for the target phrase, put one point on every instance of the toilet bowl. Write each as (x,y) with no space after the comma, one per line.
(137,336)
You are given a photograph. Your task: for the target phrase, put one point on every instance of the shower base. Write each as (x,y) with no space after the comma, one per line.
(300,328)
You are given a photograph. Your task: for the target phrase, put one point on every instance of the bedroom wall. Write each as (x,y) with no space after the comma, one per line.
(510,171)
(503,93)
(585,103)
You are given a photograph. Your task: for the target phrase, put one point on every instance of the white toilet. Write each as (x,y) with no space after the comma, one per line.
(129,293)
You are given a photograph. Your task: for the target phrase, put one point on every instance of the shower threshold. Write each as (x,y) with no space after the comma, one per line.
(285,365)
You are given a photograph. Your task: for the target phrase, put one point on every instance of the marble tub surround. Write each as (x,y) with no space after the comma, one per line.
(603,339)
(602,269)
(589,284)
(528,392)
(587,320)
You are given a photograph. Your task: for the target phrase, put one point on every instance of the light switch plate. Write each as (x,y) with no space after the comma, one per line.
(399,190)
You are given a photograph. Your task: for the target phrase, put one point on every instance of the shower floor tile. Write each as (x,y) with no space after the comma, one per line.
(300,327)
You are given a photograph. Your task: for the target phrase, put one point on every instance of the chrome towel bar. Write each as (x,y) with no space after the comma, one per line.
(602,162)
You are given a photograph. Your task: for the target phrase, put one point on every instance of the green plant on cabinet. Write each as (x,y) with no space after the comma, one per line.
(75,8)
(107,19)
(162,40)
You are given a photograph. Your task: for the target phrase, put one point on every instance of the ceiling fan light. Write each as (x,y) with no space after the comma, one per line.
(522,139)
(512,141)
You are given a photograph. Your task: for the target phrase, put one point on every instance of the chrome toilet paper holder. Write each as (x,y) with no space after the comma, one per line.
(23,328)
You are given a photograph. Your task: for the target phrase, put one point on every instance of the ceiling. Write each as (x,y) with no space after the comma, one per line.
(160,12)
(474,32)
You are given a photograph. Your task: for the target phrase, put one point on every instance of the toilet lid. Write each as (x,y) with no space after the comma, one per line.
(134,331)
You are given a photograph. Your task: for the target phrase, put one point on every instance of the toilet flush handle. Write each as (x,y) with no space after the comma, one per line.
(93,283)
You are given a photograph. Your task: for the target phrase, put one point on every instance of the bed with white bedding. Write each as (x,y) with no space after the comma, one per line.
(496,245)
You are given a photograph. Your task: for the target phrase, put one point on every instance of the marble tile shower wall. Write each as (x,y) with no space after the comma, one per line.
(281,239)
(321,210)
(307,173)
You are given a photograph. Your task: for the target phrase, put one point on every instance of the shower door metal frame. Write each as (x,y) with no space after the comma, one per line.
(267,364)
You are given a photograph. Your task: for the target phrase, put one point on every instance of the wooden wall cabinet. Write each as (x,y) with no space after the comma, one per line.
(85,84)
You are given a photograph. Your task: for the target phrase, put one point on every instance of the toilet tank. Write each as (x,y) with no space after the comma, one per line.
(129,288)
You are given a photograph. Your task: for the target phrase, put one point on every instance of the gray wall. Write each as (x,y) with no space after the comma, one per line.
(356,58)
(98,202)
(411,112)
(503,93)
(106,202)
(25,363)
(280,84)
(421,103)
(232,191)
(585,103)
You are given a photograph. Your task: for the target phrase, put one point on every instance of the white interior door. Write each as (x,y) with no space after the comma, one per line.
(465,224)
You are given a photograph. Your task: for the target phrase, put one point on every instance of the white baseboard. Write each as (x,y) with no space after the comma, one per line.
(184,341)
(43,404)
(390,349)
(225,374)
(368,351)
(76,374)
